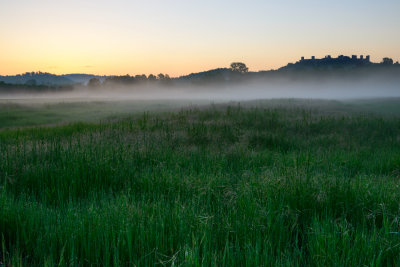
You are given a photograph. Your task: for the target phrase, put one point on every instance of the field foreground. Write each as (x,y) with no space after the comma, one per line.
(225,185)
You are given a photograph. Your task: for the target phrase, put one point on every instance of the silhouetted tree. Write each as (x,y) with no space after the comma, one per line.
(125,80)
(94,82)
(239,67)
(387,61)
(152,78)
(141,78)
(163,77)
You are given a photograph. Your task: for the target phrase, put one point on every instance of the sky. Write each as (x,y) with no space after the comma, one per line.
(179,37)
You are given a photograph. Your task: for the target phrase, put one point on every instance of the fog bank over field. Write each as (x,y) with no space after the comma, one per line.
(343,77)
(332,89)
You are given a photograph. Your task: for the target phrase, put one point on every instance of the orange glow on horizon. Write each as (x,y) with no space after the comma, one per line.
(135,37)
(65,65)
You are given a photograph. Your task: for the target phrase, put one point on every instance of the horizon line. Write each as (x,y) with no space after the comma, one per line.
(362,56)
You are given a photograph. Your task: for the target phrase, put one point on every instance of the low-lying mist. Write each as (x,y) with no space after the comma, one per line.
(250,90)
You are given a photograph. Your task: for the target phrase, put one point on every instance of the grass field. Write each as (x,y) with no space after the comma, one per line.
(39,112)
(262,183)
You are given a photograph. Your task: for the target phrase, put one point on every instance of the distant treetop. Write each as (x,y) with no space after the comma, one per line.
(387,61)
(239,67)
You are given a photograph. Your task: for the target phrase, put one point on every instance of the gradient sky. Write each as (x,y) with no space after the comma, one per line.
(181,36)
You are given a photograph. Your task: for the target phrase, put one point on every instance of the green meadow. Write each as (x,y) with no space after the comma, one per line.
(259,183)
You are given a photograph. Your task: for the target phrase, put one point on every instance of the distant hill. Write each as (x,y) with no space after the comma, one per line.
(341,62)
(220,72)
(220,75)
(44,78)
(37,78)
(83,78)
(6,88)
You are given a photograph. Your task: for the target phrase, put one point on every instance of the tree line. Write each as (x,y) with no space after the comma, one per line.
(163,79)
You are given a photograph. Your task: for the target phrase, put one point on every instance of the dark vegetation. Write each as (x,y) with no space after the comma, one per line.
(287,183)
(32,87)
(37,78)
(160,79)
